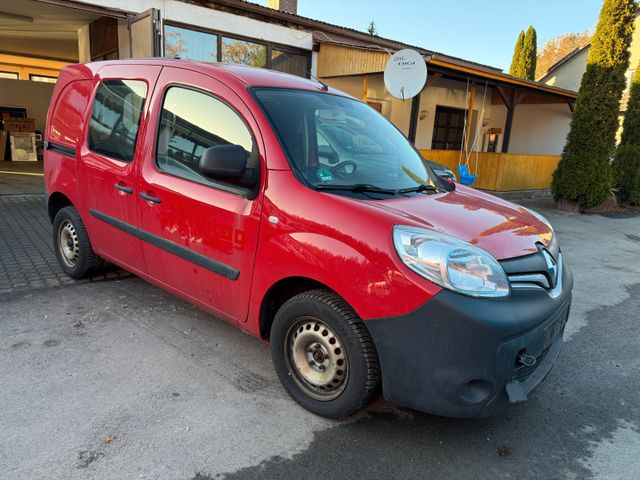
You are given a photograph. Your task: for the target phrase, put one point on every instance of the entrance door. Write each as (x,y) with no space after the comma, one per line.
(199,234)
(448,129)
(144,34)
(109,162)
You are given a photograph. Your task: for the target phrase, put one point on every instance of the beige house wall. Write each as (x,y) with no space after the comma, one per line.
(34,96)
(537,128)
(569,75)
(25,66)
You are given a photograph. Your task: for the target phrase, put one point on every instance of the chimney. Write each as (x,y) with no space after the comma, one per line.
(288,6)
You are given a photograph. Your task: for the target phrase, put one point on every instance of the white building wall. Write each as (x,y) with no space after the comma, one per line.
(216,20)
(540,129)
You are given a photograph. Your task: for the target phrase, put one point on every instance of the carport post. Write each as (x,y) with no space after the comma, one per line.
(510,101)
(415,108)
(413,119)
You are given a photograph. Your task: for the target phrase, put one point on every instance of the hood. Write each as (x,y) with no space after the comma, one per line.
(502,228)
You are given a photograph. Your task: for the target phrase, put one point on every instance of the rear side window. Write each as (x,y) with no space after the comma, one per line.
(192,121)
(115,118)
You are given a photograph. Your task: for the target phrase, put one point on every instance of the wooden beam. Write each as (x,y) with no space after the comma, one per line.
(432,79)
(504,96)
(365,88)
(415,108)
(572,106)
(511,108)
(472,98)
(499,76)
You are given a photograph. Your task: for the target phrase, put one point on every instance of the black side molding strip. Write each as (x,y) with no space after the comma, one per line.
(171,247)
(119,224)
(56,147)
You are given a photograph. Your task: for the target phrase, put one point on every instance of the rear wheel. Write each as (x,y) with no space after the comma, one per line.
(72,245)
(323,354)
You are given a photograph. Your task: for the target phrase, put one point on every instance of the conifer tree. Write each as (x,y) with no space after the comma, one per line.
(530,54)
(627,161)
(584,173)
(516,61)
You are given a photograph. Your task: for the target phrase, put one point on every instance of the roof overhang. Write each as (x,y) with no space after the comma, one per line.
(371,60)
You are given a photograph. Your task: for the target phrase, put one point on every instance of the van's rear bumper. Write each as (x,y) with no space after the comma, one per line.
(457,356)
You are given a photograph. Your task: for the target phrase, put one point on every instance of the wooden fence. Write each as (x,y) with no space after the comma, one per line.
(502,172)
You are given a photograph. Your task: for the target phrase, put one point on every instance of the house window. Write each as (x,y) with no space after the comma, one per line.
(448,129)
(11,75)
(207,46)
(289,62)
(246,53)
(42,78)
(190,44)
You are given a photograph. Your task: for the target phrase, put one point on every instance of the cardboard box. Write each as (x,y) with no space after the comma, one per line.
(23,147)
(27,125)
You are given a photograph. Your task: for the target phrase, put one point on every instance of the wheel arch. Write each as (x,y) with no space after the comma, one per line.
(279,293)
(56,202)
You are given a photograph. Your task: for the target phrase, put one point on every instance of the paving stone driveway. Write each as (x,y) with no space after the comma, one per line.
(27,259)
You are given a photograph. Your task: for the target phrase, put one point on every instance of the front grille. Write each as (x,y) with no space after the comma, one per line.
(534,270)
(529,279)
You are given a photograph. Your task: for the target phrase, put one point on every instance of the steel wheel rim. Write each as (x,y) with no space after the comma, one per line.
(317,358)
(68,244)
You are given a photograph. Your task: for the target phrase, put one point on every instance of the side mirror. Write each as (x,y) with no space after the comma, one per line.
(224,162)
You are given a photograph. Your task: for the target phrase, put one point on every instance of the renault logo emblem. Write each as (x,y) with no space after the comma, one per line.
(552,267)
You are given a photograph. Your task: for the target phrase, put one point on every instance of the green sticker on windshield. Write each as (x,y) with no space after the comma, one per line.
(324,175)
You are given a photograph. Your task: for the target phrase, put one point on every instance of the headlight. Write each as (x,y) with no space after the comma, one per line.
(450,263)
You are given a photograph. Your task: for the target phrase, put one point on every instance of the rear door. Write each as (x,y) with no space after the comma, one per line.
(199,235)
(110,155)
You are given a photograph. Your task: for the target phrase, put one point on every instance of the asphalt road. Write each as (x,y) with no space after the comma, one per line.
(120,380)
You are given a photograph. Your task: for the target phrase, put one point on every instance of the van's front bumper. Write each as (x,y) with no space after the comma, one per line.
(459,356)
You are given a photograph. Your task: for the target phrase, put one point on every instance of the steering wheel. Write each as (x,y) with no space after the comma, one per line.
(339,169)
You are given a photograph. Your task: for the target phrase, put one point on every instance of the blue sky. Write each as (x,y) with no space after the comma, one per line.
(484,32)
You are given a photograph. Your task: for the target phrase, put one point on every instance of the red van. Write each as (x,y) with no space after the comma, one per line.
(306,218)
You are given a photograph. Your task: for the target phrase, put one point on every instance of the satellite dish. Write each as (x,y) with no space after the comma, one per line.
(405,74)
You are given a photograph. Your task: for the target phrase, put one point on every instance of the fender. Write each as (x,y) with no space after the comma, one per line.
(310,242)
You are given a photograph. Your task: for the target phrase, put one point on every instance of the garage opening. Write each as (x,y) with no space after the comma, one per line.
(37,40)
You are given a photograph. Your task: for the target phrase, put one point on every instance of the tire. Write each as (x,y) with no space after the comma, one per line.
(323,354)
(72,245)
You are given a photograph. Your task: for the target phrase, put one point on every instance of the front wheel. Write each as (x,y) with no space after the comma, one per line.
(323,354)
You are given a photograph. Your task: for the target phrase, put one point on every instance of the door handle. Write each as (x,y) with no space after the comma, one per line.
(124,188)
(149,198)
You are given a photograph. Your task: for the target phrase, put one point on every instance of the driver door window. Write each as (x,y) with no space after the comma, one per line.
(192,121)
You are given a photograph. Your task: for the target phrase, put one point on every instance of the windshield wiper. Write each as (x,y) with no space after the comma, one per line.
(420,188)
(358,188)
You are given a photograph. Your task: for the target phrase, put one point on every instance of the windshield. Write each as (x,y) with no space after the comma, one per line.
(335,142)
